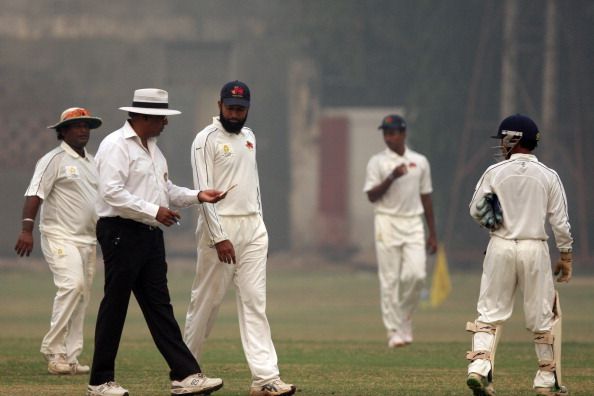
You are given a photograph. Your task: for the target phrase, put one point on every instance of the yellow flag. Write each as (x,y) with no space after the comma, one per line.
(440,284)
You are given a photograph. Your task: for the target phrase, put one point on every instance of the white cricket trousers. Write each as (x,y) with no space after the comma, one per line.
(401,256)
(508,266)
(73,269)
(250,241)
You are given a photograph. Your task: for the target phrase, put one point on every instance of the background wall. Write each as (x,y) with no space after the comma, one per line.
(455,67)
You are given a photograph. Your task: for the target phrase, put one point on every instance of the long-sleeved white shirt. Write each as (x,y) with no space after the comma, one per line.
(221,159)
(528,192)
(133,181)
(403,198)
(67,184)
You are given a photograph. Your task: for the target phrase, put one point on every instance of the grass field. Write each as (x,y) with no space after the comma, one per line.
(327,331)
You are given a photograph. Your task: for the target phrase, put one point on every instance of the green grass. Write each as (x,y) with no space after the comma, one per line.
(327,330)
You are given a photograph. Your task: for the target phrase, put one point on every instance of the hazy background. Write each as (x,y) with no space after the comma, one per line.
(455,68)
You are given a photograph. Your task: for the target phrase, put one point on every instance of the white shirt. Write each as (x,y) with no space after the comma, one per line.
(403,198)
(133,181)
(528,192)
(67,184)
(221,159)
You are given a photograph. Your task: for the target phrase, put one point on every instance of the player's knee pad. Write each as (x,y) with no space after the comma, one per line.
(487,346)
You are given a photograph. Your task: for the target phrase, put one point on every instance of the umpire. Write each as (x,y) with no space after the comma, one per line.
(134,197)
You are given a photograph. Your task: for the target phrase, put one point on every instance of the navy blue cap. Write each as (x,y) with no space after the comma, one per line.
(235,93)
(393,121)
(518,125)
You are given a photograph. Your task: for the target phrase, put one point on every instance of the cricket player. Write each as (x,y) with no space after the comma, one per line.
(232,240)
(64,185)
(398,183)
(513,199)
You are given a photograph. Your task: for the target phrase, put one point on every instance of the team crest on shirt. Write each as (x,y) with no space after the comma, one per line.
(249,145)
(226,150)
(412,165)
(71,172)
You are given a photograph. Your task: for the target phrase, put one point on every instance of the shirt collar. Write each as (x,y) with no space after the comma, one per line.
(529,157)
(395,154)
(71,151)
(129,132)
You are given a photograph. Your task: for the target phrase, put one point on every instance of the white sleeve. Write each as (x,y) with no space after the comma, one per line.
(426,186)
(203,158)
(372,177)
(483,187)
(558,215)
(46,172)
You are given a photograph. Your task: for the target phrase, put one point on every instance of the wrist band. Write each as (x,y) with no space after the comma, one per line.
(28,219)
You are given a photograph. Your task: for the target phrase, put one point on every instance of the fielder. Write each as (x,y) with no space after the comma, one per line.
(513,199)
(398,183)
(64,185)
(232,240)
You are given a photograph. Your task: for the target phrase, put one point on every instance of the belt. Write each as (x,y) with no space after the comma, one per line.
(129,223)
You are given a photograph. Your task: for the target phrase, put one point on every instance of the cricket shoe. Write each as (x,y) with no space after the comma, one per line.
(407,331)
(57,364)
(396,341)
(77,368)
(552,391)
(107,389)
(274,388)
(196,384)
(479,385)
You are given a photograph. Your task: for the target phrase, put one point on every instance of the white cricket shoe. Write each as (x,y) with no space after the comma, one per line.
(396,340)
(107,389)
(77,368)
(552,391)
(57,364)
(196,384)
(407,331)
(274,388)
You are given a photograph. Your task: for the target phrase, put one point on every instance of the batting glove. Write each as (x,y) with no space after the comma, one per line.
(564,266)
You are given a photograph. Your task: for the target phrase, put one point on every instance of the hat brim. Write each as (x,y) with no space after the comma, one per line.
(150,111)
(236,102)
(94,122)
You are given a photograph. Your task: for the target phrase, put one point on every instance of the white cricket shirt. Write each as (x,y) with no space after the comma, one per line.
(221,159)
(403,198)
(67,184)
(133,181)
(528,192)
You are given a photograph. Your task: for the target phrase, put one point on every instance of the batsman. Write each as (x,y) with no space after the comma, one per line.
(513,199)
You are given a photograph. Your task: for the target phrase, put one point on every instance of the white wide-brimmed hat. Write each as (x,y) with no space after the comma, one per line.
(153,101)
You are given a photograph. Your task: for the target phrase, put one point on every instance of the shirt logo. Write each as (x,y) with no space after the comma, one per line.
(249,145)
(412,165)
(71,172)
(226,149)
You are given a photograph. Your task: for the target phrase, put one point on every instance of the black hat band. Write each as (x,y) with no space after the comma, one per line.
(151,105)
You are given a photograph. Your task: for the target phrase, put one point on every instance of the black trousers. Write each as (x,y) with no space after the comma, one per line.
(134,257)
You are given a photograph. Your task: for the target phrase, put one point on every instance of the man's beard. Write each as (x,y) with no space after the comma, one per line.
(233,127)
